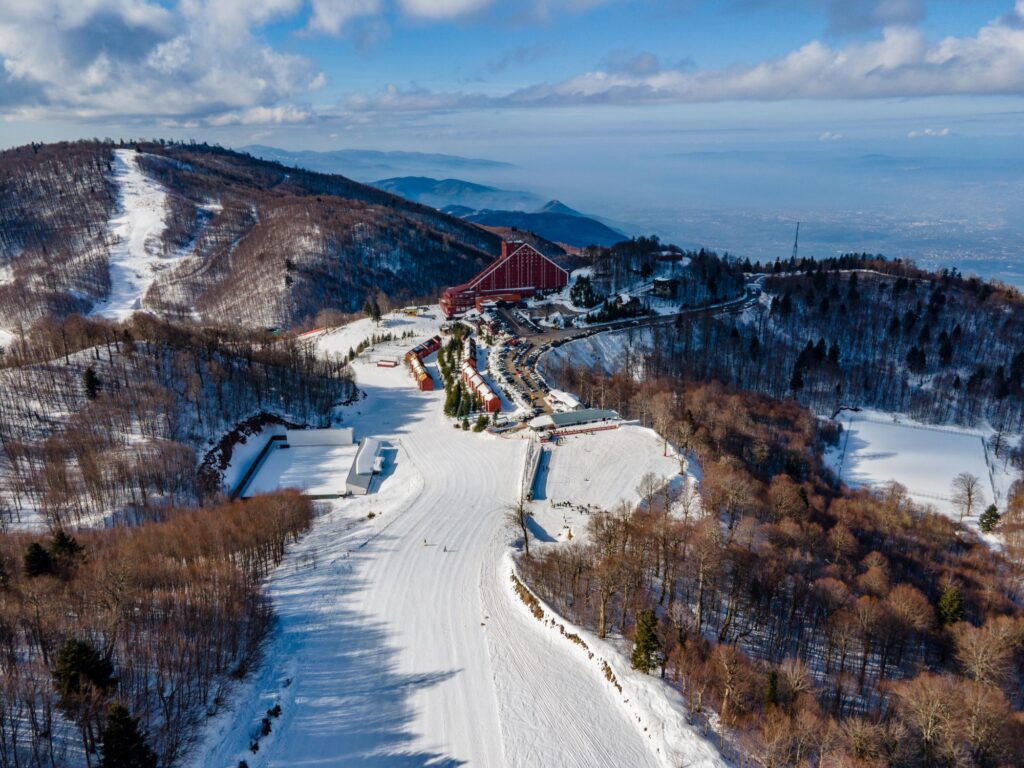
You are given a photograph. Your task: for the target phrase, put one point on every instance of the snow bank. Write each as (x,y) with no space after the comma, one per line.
(243,453)
(136,231)
(608,352)
(651,706)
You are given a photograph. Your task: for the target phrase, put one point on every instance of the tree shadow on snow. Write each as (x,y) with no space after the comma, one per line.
(347,705)
(537,531)
(540,480)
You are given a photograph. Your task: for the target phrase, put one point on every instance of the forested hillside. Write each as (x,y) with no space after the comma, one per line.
(101,420)
(241,240)
(937,347)
(818,626)
(128,637)
(702,276)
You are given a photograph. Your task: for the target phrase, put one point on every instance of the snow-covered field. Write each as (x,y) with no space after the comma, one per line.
(597,471)
(318,470)
(399,639)
(136,253)
(336,342)
(877,448)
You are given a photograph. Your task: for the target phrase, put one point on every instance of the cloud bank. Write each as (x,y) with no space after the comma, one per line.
(206,61)
(900,63)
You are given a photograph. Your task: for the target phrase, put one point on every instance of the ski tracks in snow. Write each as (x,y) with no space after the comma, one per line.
(398,640)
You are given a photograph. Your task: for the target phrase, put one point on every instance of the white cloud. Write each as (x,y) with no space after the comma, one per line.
(205,61)
(128,58)
(331,16)
(443,9)
(262,116)
(929,133)
(830,136)
(900,63)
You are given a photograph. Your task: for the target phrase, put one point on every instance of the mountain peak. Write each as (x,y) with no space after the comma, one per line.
(557,206)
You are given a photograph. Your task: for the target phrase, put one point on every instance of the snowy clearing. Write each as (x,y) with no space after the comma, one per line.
(597,471)
(877,448)
(336,342)
(399,641)
(136,253)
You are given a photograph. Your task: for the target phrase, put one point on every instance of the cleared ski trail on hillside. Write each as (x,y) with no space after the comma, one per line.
(137,230)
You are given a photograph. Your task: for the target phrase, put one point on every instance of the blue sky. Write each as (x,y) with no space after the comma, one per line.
(756,107)
(384,73)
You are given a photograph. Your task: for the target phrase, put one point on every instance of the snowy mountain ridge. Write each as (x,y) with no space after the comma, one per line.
(210,234)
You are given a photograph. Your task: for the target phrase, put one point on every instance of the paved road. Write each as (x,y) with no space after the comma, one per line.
(535,344)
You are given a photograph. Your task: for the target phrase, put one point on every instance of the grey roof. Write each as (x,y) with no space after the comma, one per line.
(584,416)
(358,476)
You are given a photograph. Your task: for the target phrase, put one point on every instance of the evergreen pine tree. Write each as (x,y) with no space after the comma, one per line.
(796,382)
(123,743)
(833,353)
(645,643)
(91,382)
(989,519)
(80,666)
(771,696)
(37,561)
(64,548)
(951,606)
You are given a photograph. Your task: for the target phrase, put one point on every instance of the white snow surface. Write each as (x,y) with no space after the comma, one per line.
(399,641)
(136,253)
(877,448)
(598,471)
(244,453)
(336,342)
(318,470)
(6,337)
(608,352)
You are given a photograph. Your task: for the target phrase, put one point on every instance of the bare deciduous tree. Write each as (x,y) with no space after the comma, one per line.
(967,494)
(518,516)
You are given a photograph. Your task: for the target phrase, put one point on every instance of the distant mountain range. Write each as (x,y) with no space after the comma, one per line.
(567,228)
(365,165)
(423,178)
(502,208)
(449,193)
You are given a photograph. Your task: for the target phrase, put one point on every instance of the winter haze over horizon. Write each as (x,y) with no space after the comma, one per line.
(883,125)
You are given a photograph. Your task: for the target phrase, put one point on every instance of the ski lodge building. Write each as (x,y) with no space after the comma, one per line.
(520,271)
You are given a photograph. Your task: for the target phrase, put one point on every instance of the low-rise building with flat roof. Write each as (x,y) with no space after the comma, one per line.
(365,465)
(571,419)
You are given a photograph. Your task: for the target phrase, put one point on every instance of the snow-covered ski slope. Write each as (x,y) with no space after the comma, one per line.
(136,231)
(400,642)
